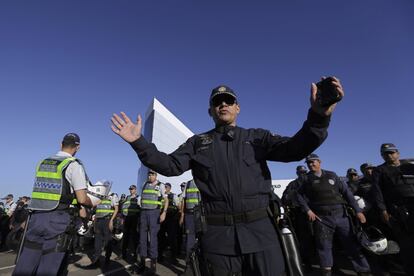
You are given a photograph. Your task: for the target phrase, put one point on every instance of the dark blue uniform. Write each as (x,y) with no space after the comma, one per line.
(326,195)
(229,168)
(396,195)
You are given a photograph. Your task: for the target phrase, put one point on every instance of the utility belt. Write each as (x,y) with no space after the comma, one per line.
(235,218)
(332,212)
(189,211)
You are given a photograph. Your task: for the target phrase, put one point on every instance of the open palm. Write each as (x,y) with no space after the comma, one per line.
(125,128)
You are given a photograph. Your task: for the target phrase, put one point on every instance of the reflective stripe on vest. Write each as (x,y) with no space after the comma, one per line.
(104,209)
(151,196)
(192,195)
(49,181)
(130,206)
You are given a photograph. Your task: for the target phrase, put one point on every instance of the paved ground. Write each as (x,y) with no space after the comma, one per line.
(163,269)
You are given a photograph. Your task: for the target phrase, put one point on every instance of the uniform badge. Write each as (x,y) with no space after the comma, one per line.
(206,139)
(331,181)
(222,89)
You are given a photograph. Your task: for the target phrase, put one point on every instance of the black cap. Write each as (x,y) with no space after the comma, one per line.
(222,89)
(351,171)
(168,184)
(8,196)
(152,172)
(312,157)
(71,139)
(301,168)
(365,166)
(388,147)
(132,187)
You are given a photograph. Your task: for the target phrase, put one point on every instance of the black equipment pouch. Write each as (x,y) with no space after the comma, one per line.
(404,217)
(287,238)
(199,220)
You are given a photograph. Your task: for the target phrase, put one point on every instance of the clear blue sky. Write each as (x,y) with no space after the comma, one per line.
(66,66)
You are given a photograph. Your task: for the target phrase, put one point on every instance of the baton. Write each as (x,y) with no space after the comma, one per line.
(23,238)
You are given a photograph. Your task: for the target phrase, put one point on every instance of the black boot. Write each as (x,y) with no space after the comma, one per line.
(326,272)
(140,268)
(153,267)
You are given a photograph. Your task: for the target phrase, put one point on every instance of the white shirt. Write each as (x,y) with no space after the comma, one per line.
(10,208)
(75,174)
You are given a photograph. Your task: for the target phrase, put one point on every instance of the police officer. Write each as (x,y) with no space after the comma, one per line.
(393,187)
(130,211)
(59,179)
(299,219)
(153,212)
(322,197)
(105,213)
(9,208)
(191,199)
(168,234)
(230,170)
(353,179)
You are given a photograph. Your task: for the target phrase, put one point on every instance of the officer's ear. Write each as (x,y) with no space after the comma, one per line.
(210,112)
(237,108)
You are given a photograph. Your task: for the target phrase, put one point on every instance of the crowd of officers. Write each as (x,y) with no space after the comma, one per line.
(383,197)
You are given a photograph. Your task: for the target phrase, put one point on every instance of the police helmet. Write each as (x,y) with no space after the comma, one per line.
(85,229)
(372,239)
(98,191)
(360,201)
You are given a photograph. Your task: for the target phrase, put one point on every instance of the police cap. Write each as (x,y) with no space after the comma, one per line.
(71,139)
(351,171)
(222,90)
(168,184)
(365,166)
(312,157)
(301,168)
(388,147)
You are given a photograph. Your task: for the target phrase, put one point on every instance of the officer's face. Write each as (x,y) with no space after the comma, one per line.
(391,157)
(167,189)
(352,177)
(132,190)
(368,172)
(224,110)
(152,177)
(314,165)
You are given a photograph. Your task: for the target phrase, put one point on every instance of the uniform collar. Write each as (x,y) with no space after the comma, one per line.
(63,154)
(224,129)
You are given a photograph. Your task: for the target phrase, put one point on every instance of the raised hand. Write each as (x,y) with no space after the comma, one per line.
(325,111)
(125,128)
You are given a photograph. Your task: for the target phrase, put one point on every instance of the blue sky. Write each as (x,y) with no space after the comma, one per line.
(66,66)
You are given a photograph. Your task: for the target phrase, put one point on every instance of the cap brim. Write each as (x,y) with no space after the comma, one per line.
(223,93)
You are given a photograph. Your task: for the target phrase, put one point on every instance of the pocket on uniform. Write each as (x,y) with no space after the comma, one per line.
(201,167)
(59,221)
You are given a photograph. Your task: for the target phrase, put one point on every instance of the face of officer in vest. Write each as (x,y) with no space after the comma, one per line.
(152,177)
(314,165)
(391,157)
(167,189)
(368,172)
(224,110)
(352,177)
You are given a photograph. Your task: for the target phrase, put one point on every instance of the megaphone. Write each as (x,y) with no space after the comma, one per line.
(98,191)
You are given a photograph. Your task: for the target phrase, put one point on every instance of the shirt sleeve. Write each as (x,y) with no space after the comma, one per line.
(347,194)
(115,201)
(171,164)
(75,174)
(301,199)
(303,143)
(376,190)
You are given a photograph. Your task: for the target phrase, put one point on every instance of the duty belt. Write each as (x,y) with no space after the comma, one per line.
(231,219)
(332,212)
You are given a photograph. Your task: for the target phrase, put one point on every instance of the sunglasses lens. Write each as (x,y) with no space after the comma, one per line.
(218,100)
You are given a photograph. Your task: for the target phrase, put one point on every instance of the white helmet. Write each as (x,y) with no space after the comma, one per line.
(360,201)
(373,240)
(118,236)
(99,190)
(85,230)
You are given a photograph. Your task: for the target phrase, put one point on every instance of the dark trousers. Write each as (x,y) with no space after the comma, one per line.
(405,239)
(103,238)
(149,227)
(190,233)
(268,262)
(42,236)
(130,237)
(168,234)
(339,225)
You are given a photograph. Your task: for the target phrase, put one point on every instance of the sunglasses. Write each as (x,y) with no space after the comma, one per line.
(219,99)
(131,188)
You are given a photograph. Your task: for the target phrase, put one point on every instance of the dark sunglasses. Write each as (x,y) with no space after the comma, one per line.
(131,188)
(219,99)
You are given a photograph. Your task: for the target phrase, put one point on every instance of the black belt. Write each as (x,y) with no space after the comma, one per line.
(329,212)
(231,219)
